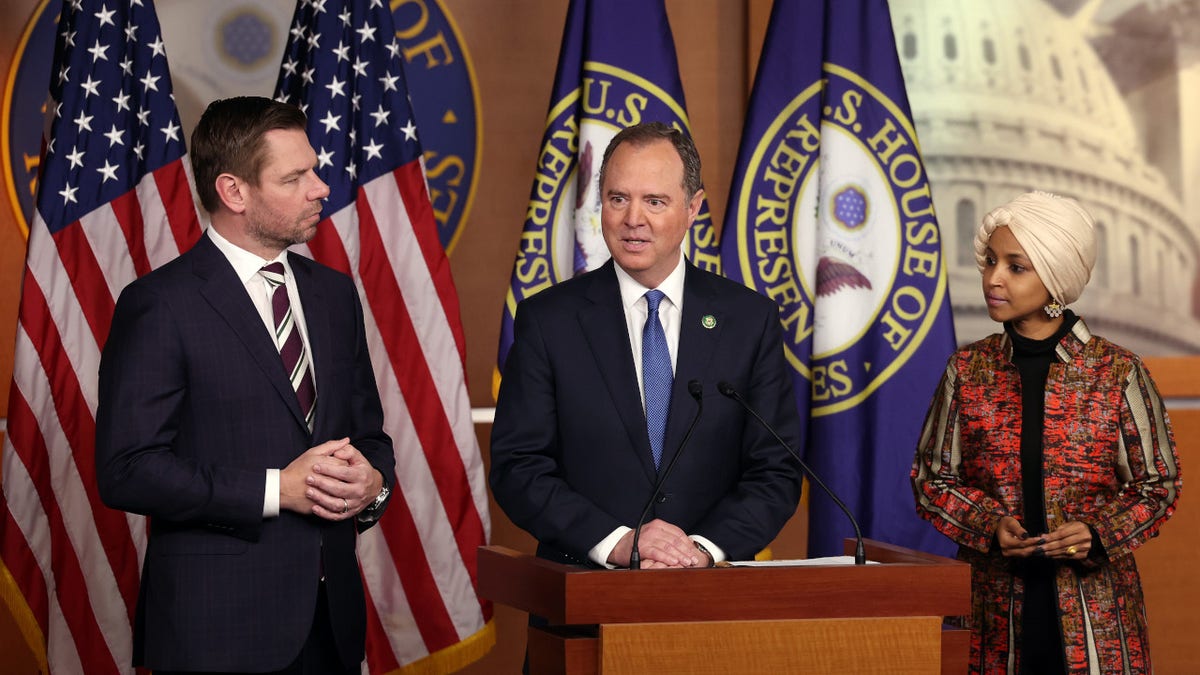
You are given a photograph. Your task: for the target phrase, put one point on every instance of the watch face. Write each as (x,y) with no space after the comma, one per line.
(381,498)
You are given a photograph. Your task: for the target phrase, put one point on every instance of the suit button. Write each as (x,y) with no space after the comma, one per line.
(664,498)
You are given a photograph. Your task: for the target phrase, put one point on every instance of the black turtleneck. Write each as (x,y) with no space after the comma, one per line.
(1032,359)
(1041,641)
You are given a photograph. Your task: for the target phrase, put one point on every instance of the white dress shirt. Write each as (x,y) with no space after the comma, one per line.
(246,265)
(670,315)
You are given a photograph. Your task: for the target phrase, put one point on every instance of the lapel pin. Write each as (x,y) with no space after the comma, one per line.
(708,321)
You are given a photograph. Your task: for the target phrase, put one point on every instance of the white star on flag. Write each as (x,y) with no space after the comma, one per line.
(111,205)
(378,226)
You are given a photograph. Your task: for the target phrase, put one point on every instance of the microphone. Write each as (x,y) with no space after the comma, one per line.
(860,552)
(697,391)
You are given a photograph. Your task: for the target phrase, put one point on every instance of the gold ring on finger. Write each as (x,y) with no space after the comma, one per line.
(1071,550)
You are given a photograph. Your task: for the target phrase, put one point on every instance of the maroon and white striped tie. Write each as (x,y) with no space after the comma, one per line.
(291,347)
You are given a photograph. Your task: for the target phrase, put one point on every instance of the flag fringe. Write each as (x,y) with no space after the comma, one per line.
(22,615)
(455,657)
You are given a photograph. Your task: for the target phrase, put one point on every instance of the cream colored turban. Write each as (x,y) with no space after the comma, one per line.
(1057,234)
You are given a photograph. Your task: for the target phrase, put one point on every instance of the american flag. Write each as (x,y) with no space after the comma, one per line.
(343,67)
(113,203)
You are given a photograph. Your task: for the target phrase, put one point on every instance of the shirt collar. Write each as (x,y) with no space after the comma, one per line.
(1073,342)
(245,264)
(1068,347)
(672,286)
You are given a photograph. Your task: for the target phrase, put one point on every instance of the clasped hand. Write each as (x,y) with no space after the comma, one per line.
(1070,541)
(660,545)
(332,480)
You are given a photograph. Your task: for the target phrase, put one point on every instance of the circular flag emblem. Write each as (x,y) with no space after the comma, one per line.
(836,224)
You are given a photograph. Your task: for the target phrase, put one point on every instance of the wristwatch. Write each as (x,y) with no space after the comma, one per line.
(711,560)
(380,499)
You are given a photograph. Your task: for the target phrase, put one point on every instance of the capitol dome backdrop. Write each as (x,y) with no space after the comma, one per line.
(1094,99)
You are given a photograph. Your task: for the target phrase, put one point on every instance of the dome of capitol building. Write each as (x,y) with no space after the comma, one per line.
(1011,96)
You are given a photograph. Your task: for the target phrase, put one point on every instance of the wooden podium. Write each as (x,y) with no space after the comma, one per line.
(877,618)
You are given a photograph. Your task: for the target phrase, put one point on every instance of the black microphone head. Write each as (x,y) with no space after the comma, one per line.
(726,389)
(696,389)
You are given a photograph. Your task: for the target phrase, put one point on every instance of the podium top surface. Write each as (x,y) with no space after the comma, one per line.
(905,583)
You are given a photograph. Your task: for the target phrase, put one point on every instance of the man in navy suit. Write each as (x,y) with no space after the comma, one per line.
(256,476)
(572,458)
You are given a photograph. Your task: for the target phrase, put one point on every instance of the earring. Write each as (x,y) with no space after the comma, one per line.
(1054,309)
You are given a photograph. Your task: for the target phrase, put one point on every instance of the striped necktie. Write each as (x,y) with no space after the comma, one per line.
(657,376)
(291,347)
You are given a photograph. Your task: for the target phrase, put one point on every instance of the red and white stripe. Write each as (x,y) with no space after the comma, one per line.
(74,563)
(418,563)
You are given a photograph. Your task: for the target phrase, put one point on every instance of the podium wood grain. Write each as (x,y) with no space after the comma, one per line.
(829,618)
(910,645)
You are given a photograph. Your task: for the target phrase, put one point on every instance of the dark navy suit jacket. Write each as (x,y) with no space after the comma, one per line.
(194,406)
(570,452)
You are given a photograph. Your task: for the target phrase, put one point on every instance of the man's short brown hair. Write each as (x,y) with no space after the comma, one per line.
(649,132)
(229,139)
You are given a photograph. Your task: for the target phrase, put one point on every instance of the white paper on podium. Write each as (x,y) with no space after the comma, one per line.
(799,562)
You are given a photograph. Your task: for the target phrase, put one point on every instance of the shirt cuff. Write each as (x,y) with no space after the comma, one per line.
(271,496)
(715,551)
(600,552)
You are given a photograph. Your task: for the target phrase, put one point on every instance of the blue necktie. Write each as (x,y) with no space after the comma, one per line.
(656,375)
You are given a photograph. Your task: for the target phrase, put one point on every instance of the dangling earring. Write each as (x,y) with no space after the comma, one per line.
(1054,309)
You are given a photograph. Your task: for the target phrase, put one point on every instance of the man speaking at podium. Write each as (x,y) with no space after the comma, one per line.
(597,394)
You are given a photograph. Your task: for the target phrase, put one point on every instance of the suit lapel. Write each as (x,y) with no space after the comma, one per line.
(603,324)
(697,344)
(223,290)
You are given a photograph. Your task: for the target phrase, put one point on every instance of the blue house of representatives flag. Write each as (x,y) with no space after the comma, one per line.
(830,214)
(617,68)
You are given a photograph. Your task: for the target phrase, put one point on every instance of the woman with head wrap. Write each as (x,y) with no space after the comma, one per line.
(1048,457)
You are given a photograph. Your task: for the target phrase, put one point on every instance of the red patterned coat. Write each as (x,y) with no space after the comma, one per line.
(1109,461)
